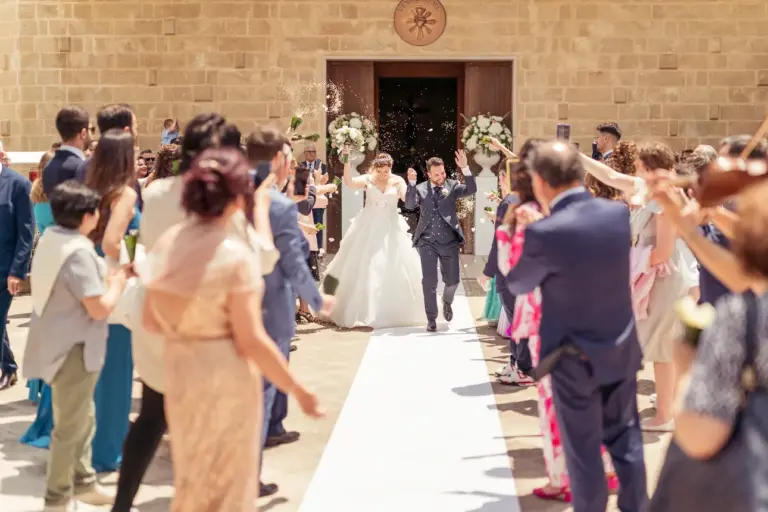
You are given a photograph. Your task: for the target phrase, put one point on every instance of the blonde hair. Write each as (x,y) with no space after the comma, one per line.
(37,194)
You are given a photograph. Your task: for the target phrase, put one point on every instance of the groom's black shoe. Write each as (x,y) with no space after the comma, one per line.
(431,326)
(447,312)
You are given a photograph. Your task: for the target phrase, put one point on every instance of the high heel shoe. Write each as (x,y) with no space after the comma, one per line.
(562,494)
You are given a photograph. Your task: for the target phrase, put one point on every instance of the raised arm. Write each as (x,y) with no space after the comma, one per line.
(412,198)
(353,182)
(469,187)
(629,185)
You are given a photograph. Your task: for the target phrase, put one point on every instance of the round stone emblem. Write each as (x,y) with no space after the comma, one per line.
(420,22)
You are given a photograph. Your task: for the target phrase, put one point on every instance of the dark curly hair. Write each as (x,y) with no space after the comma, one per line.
(216,178)
(206,131)
(622,159)
(166,156)
(520,179)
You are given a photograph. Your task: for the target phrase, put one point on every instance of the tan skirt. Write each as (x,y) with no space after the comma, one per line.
(213,403)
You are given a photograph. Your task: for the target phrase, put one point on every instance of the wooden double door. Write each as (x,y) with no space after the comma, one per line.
(359,86)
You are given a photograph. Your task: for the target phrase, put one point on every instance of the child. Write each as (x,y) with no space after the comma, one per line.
(72,297)
(170,131)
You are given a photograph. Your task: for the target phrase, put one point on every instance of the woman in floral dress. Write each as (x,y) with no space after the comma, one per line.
(525,324)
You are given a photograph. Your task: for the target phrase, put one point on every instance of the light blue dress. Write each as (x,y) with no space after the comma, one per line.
(112,399)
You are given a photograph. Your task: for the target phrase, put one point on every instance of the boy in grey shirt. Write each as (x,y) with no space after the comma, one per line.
(72,296)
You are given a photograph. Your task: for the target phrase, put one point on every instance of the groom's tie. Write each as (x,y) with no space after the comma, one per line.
(436,195)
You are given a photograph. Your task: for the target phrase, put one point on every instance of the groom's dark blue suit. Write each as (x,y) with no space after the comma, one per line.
(579,257)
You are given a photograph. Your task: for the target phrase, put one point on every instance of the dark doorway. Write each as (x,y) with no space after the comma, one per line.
(418,120)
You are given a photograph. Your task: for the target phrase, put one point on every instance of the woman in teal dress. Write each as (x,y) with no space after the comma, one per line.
(111,173)
(492,304)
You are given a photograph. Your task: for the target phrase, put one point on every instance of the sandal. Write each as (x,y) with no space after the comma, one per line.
(306,317)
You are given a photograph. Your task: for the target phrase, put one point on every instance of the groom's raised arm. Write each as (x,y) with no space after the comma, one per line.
(531,269)
(469,186)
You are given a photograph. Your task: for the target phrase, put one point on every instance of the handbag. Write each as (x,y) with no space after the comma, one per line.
(129,306)
(723,482)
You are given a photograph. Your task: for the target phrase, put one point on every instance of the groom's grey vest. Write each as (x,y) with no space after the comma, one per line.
(437,230)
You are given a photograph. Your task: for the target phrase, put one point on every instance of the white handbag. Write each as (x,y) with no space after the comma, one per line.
(128,308)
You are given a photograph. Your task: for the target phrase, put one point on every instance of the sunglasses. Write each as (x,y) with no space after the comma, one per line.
(149,159)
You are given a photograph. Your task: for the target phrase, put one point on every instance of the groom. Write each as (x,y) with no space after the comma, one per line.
(438,234)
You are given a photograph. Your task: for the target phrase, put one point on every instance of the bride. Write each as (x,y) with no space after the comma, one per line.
(378,269)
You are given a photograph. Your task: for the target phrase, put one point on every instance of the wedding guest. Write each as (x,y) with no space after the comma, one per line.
(712,383)
(622,159)
(487,280)
(166,164)
(291,277)
(17,233)
(43,220)
(162,210)
(209,309)
(73,125)
(587,336)
(520,365)
(316,165)
(67,339)
(526,321)
(115,116)
(170,132)
(608,136)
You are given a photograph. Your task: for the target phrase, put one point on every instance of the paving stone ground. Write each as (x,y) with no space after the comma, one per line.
(327,361)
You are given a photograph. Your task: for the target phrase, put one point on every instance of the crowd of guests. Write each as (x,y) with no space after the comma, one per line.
(673,248)
(246,259)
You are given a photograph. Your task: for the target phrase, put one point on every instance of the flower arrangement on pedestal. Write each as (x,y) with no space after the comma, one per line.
(480,128)
(353,130)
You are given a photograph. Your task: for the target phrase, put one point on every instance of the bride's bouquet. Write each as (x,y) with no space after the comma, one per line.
(354,131)
(479,129)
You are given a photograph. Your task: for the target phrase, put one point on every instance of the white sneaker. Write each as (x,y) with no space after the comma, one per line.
(97,496)
(504,369)
(516,378)
(69,507)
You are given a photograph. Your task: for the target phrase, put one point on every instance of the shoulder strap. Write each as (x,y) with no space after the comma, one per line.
(749,377)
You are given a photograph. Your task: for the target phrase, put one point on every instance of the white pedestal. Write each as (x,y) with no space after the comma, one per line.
(484,232)
(352,201)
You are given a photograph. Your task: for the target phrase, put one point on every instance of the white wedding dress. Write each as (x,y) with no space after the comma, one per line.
(378,269)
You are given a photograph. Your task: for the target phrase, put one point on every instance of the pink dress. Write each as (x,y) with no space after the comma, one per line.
(525,324)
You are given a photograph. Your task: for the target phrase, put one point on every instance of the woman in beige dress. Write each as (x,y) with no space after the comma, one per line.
(204,292)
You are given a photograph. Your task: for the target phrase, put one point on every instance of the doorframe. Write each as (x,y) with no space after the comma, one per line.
(427,59)
(422,69)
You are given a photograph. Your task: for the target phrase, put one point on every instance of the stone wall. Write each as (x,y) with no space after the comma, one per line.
(688,71)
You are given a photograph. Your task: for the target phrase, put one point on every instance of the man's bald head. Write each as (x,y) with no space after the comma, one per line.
(558,164)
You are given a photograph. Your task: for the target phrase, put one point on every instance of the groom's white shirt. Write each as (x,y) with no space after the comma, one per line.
(464,170)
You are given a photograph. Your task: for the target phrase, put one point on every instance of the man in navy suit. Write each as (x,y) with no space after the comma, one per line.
(17,232)
(579,257)
(291,277)
(74,128)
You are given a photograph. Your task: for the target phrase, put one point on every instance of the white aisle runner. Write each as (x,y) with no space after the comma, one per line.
(419,430)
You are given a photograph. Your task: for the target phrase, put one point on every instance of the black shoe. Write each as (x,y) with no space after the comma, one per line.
(447,312)
(285,438)
(267,489)
(431,326)
(294,348)
(8,380)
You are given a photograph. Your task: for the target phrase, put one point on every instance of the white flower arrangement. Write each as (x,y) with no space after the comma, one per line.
(480,128)
(354,130)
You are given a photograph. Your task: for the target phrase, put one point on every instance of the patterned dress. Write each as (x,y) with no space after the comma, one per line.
(525,324)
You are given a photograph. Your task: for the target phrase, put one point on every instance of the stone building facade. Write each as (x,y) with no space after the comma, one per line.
(687,71)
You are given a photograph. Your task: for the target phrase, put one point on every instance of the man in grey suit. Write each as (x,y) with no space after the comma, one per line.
(438,234)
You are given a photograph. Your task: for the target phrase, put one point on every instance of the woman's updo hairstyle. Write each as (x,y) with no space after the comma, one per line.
(216,178)
(382,160)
